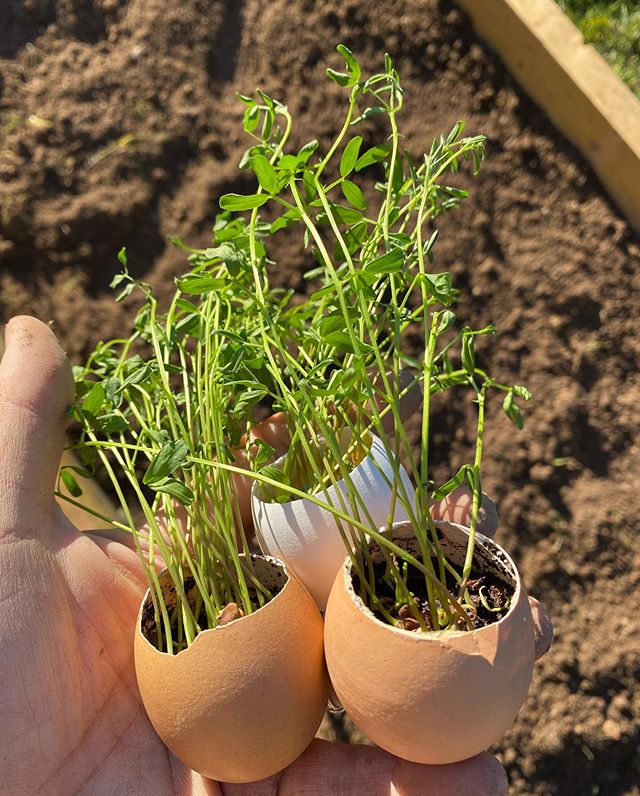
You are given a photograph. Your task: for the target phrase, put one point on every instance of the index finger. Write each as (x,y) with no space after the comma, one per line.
(351,770)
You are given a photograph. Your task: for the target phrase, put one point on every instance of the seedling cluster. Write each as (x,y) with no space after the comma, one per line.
(167,412)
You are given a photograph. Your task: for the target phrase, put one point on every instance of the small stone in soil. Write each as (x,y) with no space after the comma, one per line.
(408,624)
(229,613)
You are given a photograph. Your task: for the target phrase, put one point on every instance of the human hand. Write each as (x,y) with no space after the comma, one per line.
(73,720)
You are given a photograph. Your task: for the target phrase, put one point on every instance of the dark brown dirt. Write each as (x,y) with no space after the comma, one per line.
(489,595)
(119,126)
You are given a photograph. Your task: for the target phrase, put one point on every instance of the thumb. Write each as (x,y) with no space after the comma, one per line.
(457,507)
(36,387)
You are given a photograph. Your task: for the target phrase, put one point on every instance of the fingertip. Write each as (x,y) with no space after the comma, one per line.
(274,431)
(34,368)
(352,769)
(20,327)
(542,628)
(488,517)
(457,506)
(36,388)
(482,775)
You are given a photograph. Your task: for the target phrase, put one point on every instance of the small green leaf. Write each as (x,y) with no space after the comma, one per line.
(427,249)
(446,322)
(388,263)
(186,305)
(353,195)
(94,401)
(373,155)
(234,230)
(397,178)
(410,361)
(111,423)
(232,358)
(264,453)
(189,325)
(118,279)
(68,479)
(113,391)
(439,286)
(138,374)
(350,156)
(309,185)
(177,490)
(170,457)
(286,220)
(199,284)
(331,323)
(400,239)
(521,391)
(307,150)
(339,77)
(267,124)
(231,257)
(251,119)
(265,173)
(122,257)
(127,290)
(451,484)
(88,456)
(248,398)
(456,193)
(468,353)
(353,67)
(456,132)
(271,493)
(343,342)
(354,237)
(368,113)
(512,410)
(343,215)
(237,202)
(289,163)
(268,101)
(161,436)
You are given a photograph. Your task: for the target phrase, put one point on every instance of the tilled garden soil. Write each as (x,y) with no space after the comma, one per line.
(119,126)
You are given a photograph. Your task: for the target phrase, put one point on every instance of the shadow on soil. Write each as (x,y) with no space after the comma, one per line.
(611,769)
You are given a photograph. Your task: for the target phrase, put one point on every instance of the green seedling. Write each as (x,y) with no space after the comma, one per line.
(336,359)
(166,411)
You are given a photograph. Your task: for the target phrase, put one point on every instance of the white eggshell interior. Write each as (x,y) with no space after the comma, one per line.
(307,537)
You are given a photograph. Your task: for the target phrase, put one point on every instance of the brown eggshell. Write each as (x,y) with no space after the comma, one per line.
(245,699)
(431,697)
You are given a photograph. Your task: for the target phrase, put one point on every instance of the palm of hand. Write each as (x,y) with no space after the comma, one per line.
(72,714)
(69,687)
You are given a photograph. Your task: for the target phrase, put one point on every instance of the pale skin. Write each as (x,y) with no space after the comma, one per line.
(72,719)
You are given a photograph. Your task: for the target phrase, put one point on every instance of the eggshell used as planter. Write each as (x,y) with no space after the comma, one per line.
(245,699)
(431,697)
(306,537)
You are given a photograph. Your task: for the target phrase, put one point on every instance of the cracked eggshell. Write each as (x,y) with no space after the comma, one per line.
(431,697)
(306,536)
(245,699)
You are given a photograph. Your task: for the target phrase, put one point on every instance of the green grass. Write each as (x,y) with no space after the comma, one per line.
(614,28)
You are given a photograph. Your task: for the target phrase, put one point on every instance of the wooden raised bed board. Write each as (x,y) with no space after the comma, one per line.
(571,81)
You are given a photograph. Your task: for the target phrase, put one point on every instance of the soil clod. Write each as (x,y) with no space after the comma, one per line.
(229,614)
